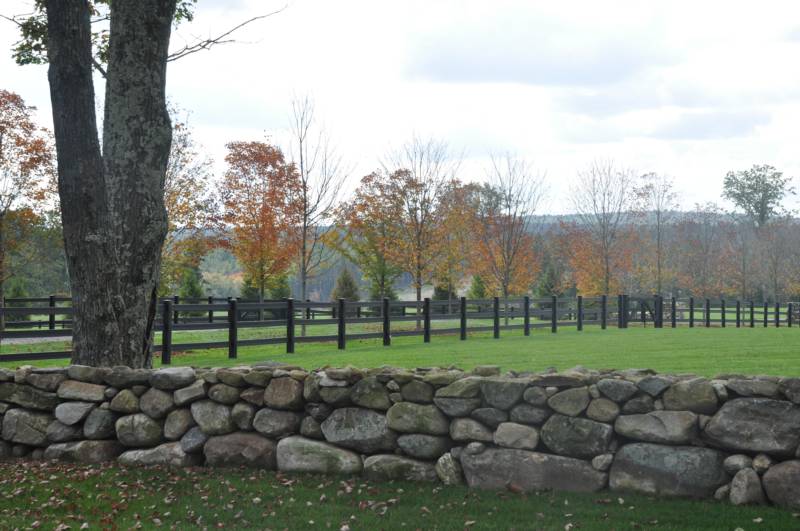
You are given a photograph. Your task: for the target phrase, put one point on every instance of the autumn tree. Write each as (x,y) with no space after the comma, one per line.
(504,243)
(602,199)
(456,239)
(702,234)
(27,169)
(657,202)
(261,211)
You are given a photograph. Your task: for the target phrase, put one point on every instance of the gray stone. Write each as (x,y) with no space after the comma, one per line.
(502,393)
(253,395)
(617,390)
(782,484)
(462,429)
(790,387)
(59,432)
(746,488)
(756,425)
(571,402)
(46,381)
(370,393)
(111,392)
(602,410)
(26,427)
(535,396)
(560,380)
(529,414)
(284,393)
(522,470)
(723,493)
(275,422)
(735,463)
(469,387)
(668,470)
(71,413)
(156,403)
(172,378)
(139,390)
(138,430)
(407,417)
(168,454)
(490,416)
(310,428)
(259,378)
(440,377)
(696,395)
(423,446)
(232,377)
(242,415)
(84,451)
(602,462)
(486,370)
(664,427)
(638,405)
(576,437)
(474,448)
(240,449)
(762,463)
(122,377)
(125,402)
(100,424)
(212,417)
(177,424)
(457,407)
(193,440)
(84,373)
(192,393)
(394,467)
(361,429)
(298,454)
(75,390)
(319,411)
(224,394)
(417,391)
(753,387)
(27,396)
(335,396)
(449,470)
(512,435)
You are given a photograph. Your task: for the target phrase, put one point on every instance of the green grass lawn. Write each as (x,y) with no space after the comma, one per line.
(698,350)
(45,495)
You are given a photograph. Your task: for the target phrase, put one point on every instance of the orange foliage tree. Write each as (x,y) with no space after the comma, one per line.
(27,173)
(259,195)
(593,271)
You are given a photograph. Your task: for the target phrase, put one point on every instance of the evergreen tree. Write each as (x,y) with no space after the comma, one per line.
(477,289)
(346,287)
(375,292)
(191,285)
(279,287)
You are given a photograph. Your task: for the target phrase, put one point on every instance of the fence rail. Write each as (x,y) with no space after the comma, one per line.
(386,319)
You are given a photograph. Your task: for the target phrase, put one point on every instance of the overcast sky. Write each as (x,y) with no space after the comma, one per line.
(690,89)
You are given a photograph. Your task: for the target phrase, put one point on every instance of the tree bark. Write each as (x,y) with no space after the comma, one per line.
(112,203)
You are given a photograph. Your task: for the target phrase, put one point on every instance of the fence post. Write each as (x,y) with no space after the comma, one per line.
(308,309)
(341,331)
(462,310)
(554,314)
(580,313)
(766,314)
(789,315)
(387,338)
(166,333)
(426,320)
(233,327)
(673,305)
(626,305)
(722,312)
(752,315)
(777,314)
(290,325)
(526,316)
(210,312)
(496,317)
(708,313)
(51,321)
(738,313)
(603,312)
(358,311)
(177,300)
(619,311)
(691,312)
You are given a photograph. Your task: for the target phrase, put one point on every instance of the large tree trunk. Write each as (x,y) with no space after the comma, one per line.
(112,204)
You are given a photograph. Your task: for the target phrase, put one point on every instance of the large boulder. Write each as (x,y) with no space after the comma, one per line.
(529,414)
(138,430)
(522,470)
(172,378)
(212,417)
(746,488)
(168,454)
(284,393)
(276,423)
(654,385)
(394,467)
(361,429)
(664,427)
(26,427)
(407,417)
(449,470)
(423,446)
(121,376)
(27,396)
(298,454)
(576,437)
(503,393)
(417,391)
(617,390)
(469,430)
(753,387)
(756,425)
(469,387)
(782,483)
(71,413)
(491,416)
(46,381)
(696,395)
(570,402)
(193,440)
(177,424)
(125,402)
(224,393)
(243,415)
(668,470)
(602,410)
(457,407)
(84,451)
(370,393)
(194,392)
(512,435)
(100,424)
(87,392)
(240,449)
(58,432)
(156,403)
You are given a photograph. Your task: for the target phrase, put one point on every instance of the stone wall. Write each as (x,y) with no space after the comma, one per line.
(732,437)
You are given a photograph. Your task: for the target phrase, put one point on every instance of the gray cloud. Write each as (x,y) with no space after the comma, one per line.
(707,125)
(794,34)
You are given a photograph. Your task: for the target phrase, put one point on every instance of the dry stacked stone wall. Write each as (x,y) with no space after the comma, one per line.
(733,437)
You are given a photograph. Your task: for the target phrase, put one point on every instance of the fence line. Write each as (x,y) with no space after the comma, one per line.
(485,315)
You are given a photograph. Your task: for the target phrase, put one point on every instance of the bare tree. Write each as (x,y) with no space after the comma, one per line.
(658,199)
(505,213)
(602,199)
(322,175)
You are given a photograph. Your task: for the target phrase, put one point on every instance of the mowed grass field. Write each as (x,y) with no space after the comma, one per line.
(704,351)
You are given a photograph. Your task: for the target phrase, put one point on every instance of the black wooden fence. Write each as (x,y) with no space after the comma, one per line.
(386,319)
